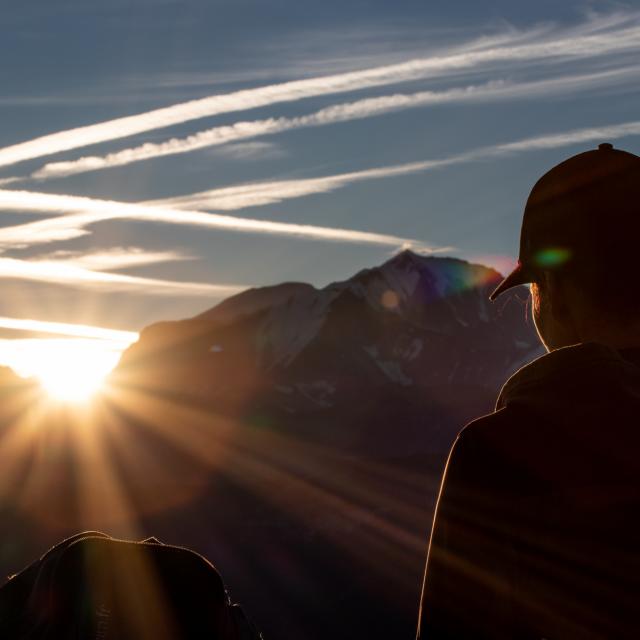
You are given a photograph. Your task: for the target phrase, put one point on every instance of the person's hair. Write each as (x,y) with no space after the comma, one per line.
(535,297)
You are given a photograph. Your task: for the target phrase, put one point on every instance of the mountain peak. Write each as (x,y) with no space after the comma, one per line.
(430,277)
(411,259)
(406,256)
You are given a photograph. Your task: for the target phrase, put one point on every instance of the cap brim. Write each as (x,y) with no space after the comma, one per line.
(517,277)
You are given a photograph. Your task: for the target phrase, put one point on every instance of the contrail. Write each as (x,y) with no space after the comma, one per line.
(117,258)
(265,193)
(82,212)
(575,136)
(86,211)
(68,329)
(68,274)
(357,110)
(593,38)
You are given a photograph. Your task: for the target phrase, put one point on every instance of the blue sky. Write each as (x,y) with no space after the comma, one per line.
(457,107)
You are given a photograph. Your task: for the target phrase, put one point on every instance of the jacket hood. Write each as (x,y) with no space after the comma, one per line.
(575,381)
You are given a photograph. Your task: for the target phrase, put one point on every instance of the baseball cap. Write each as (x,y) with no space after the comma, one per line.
(585,209)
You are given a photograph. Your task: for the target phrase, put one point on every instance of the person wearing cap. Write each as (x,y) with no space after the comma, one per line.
(537,527)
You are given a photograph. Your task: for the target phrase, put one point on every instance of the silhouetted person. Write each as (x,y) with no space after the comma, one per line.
(94,587)
(536,532)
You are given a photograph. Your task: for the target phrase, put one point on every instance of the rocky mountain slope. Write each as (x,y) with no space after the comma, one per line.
(414,341)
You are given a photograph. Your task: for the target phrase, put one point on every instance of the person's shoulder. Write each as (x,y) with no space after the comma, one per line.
(481,459)
(540,389)
(570,376)
(501,436)
(499,423)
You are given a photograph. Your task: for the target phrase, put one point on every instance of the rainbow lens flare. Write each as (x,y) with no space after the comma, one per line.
(552,257)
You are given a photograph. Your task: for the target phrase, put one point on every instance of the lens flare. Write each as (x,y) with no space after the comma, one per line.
(72,385)
(552,257)
(390,299)
(69,370)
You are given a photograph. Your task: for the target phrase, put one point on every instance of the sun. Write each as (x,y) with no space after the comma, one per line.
(69,370)
(73,371)
(73,386)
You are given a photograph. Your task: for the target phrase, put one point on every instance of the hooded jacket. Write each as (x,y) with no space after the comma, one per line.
(536,532)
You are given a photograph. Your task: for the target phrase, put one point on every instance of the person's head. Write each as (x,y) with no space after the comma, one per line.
(578,250)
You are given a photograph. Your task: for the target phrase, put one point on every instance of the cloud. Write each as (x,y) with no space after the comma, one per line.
(67,273)
(575,136)
(115,258)
(264,193)
(87,211)
(258,150)
(76,213)
(366,108)
(68,329)
(595,37)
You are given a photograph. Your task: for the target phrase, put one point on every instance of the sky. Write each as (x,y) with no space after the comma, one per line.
(157,156)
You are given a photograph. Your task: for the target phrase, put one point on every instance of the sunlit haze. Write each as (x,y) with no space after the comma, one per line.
(147,178)
(68,369)
(278,224)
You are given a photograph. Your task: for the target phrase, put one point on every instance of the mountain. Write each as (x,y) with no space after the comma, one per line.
(295,436)
(413,345)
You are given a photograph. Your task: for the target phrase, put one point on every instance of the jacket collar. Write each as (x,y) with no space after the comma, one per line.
(554,372)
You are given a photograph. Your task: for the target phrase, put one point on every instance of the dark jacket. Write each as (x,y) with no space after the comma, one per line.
(536,531)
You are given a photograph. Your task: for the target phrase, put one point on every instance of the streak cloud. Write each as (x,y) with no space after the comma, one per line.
(366,108)
(88,211)
(76,213)
(65,273)
(264,193)
(68,329)
(597,37)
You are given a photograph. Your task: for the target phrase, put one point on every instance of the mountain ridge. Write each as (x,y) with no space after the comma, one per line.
(411,330)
